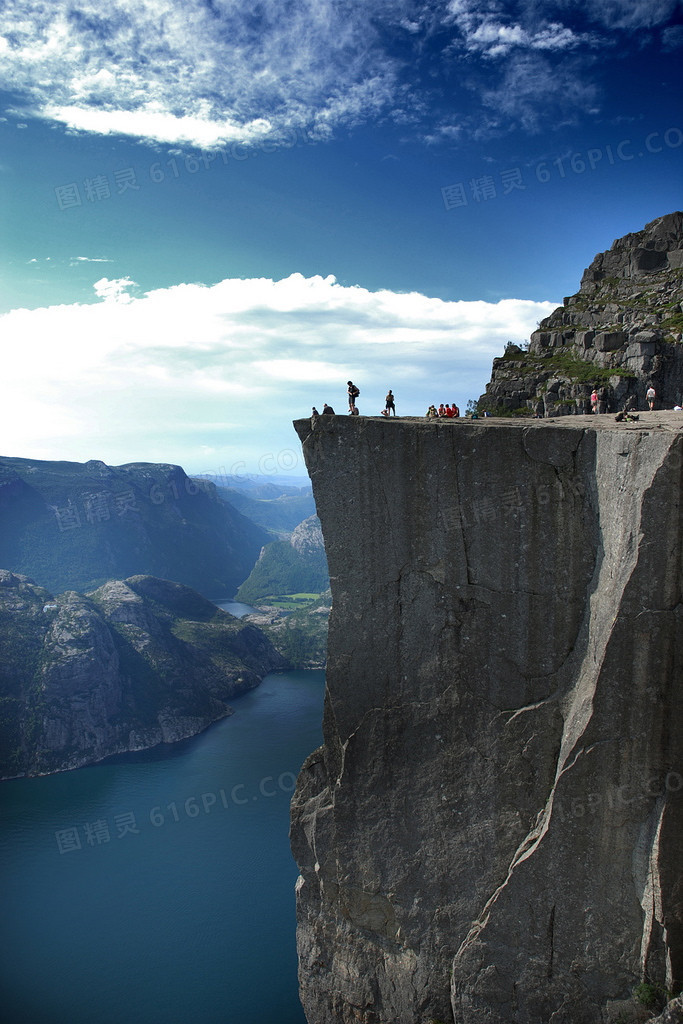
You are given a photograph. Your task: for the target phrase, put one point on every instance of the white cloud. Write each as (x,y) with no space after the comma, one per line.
(496,39)
(159,126)
(632,14)
(116,290)
(527,76)
(197,73)
(230,72)
(225,368)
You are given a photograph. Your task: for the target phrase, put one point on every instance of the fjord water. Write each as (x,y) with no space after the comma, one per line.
(158,887)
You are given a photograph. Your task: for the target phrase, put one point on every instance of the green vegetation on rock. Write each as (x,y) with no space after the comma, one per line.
(300,635)
(295,566)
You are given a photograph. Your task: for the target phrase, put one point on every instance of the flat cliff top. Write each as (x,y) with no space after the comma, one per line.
(658,420)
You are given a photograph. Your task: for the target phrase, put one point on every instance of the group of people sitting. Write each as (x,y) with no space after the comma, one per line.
(450,411)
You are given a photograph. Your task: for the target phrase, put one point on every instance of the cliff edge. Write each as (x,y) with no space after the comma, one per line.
(492,832)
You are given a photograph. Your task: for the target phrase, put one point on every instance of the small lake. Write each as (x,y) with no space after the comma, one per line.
(158,887)
(236,608)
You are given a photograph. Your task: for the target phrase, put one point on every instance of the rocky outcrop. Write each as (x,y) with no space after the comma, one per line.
(492,832)
(673,1014)
(307,538)
(75,525)
(621,331)
(136,663)
(294,566)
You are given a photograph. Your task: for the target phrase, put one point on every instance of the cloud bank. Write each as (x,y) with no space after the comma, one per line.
(207,376)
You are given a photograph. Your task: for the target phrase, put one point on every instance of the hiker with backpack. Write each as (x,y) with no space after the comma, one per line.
(353,395)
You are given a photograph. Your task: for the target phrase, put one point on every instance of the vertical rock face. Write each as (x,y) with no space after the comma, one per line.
(492,831)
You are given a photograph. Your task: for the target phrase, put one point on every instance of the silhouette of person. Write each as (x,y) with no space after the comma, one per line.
(353,394)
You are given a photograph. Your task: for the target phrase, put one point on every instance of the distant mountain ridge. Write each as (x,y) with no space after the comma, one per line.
(75,525)
(273,508)
(135,663)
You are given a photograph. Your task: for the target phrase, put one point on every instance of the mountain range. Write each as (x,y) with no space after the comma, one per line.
(71,525)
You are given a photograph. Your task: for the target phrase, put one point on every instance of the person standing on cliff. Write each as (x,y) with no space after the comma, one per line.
(353,395)
(603,400)
(594,401)
(389,404)
(650,395)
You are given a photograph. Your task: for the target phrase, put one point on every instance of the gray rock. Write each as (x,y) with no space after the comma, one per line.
(492,831)
(629,295)
(307,538)
(136,663)
(673,1014)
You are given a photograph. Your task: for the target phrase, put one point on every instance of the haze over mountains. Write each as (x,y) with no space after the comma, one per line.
(72,525)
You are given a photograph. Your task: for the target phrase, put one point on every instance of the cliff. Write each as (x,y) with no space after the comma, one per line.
(621,331)
(74,525)
(492,832)
(136,663)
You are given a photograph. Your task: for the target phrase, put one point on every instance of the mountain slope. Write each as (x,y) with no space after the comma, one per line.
(135,663)
(75,525)
(296,566)
(271,509)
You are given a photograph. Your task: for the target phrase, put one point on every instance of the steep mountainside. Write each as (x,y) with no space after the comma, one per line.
(294,566)
(492,832)
(621,331)
(133,664)
(75,525)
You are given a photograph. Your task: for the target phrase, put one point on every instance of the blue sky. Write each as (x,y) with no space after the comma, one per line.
(213,214)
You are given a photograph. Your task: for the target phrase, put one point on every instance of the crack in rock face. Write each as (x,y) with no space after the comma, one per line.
(492,831)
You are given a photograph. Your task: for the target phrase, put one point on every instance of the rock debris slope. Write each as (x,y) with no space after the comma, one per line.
(492,832)
(621,331)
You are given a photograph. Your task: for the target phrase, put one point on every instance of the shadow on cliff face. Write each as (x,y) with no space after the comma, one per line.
(488,831)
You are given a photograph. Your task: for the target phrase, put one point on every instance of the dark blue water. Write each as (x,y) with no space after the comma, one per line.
(158,888)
